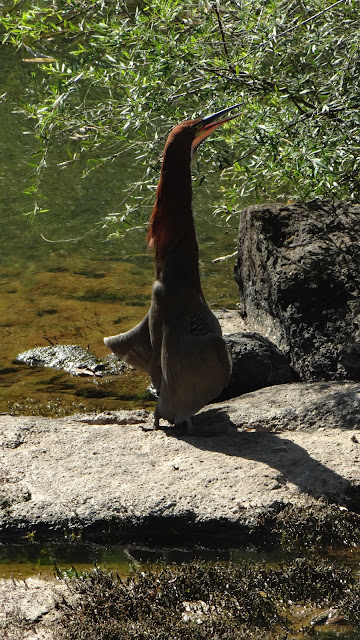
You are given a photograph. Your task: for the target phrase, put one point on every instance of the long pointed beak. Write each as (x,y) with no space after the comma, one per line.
(208,124)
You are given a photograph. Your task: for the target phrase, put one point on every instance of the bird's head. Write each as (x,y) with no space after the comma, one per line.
(171,217)
(188,135)
(203,127)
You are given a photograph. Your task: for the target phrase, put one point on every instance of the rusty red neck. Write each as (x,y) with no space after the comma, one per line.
(171,227)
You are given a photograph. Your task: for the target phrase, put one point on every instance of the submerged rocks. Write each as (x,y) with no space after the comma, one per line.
(71,358)
(298,275)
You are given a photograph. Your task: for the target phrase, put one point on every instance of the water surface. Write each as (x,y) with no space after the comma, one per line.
(63,280)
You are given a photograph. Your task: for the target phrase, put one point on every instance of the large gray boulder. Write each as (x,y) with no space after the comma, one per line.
(298,272)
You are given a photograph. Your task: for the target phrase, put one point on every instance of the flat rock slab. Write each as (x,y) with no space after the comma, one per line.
(106,478)
(28,608)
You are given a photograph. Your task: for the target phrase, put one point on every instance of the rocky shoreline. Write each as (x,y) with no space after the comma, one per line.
(288,443)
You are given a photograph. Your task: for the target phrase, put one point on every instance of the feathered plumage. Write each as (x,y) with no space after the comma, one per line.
(179,342)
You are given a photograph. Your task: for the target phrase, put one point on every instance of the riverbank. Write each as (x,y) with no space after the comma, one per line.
(275,467)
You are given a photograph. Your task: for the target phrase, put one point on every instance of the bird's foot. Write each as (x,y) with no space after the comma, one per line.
(185,427)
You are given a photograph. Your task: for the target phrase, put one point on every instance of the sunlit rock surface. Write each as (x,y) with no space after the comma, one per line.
(109,477)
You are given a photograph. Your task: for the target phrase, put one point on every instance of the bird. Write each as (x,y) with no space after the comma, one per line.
(179,343)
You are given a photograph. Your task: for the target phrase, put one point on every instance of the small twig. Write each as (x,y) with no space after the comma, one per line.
(216,8)
(223,258)
(68,239)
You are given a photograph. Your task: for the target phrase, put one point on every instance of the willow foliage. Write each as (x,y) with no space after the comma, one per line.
(117,75)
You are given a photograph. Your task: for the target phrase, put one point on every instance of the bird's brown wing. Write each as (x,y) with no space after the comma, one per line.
(134,346)
(194,372)
(202,320)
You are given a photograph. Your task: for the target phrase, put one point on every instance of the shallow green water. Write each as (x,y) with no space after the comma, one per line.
(75,292)
(32,559)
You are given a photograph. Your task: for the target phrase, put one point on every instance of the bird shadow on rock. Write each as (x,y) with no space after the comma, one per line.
(216,432)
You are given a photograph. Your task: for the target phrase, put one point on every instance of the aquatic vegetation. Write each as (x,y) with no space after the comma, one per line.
(317,527)
(202,600)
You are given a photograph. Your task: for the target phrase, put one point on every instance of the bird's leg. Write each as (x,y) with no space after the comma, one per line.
(156,422)
(156,418)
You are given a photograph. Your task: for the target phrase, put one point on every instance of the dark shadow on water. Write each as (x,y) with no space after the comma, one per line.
(292,461)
